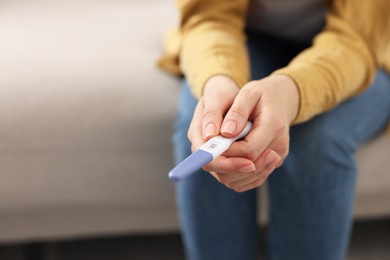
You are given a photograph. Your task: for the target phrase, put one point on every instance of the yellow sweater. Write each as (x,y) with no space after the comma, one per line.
(341,63)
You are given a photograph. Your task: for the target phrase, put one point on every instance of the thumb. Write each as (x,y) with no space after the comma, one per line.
(239,113)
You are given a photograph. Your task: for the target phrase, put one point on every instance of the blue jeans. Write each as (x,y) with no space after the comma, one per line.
(311,194)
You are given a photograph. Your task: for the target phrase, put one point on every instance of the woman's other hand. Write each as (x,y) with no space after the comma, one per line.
(271,104)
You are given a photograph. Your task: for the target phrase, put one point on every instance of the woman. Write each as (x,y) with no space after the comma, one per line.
(315,93)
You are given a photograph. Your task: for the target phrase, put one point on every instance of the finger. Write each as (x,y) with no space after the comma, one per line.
(226,165)
(272,160)
(263,164)
(214,107)
(236,185)
(226,179)
(236,180)
(245,150)
(281,146)
(269,159)
(255,143)
(256,183)
(268,164)
(238,114)
(195,129)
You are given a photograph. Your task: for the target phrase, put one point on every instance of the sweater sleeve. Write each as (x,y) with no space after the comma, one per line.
(343,58)
(213,41)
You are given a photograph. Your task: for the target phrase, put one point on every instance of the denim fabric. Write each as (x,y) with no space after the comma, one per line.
(311,194)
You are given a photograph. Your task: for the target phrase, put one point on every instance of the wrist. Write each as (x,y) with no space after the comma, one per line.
(289,94)
(219,83)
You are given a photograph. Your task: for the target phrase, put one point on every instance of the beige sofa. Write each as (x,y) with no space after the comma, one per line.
(86,122)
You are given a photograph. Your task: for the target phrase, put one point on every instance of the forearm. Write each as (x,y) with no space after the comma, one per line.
(213,41)
(343,59)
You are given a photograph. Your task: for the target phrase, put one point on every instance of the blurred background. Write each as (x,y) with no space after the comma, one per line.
(85,137)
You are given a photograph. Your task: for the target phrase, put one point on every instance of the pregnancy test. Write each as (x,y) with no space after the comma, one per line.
(205,154)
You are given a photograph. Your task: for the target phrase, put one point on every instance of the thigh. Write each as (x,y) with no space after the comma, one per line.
(312,194)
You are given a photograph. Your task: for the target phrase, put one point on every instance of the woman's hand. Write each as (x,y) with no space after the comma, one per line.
(218,96)
(271,104)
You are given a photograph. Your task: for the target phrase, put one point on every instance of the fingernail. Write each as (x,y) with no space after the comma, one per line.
(274,162)
(248,168)
(269,157)
(210,130)
(229,127)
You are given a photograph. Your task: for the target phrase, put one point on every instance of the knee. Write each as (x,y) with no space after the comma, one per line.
(326,140)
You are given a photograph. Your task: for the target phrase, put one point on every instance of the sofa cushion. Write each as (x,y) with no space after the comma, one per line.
(85,117)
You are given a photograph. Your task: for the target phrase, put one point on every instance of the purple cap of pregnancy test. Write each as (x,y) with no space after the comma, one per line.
(190,165)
